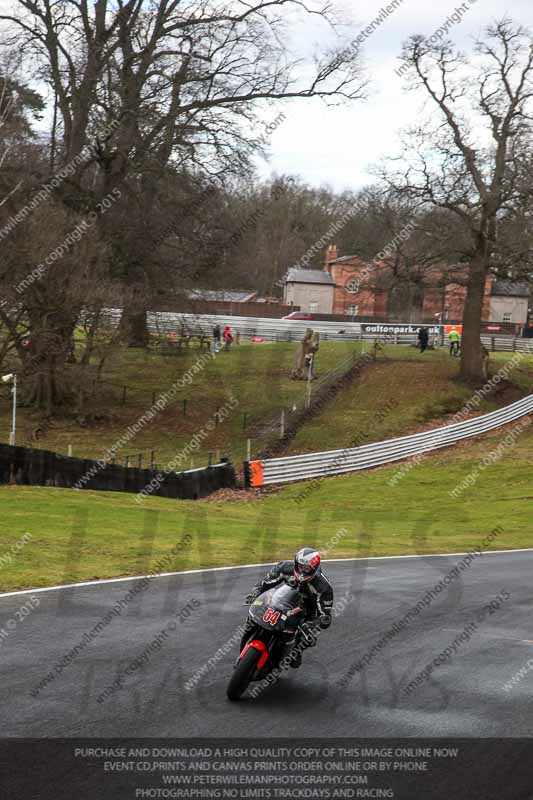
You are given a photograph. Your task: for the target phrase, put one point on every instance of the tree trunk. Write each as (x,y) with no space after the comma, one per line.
(133,324)
(45,393)
(472,370)
(89,342)
(45,358)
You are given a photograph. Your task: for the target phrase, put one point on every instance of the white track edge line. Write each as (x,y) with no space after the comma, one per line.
(106,581)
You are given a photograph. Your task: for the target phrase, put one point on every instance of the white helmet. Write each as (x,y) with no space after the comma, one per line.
(306,564)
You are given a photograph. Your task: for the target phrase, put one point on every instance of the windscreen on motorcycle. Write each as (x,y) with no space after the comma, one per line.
(276,608)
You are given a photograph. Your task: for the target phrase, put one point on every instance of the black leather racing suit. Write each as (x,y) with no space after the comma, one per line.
(318,592)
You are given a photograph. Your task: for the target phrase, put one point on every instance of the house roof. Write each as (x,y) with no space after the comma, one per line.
(295,275)
(267,299)
(510,289)
(221,294)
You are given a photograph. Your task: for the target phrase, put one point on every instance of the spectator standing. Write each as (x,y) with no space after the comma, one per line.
(227,336)
(455,339)
(216,338)
(423,339)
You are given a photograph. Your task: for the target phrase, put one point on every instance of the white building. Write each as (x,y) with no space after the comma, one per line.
(509,302)
(311,289)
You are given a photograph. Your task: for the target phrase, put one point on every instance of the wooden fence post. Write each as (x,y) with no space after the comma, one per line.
(309,377)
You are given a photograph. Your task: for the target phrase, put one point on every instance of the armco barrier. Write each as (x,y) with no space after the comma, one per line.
(272,330)
(279,330)
(29,467)
(334,462)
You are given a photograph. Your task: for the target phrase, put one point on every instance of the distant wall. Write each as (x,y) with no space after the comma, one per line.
(30,467)
(222,307)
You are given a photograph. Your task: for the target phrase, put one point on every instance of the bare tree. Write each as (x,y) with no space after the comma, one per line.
(19,163)
(145,85)
(272,225)
(468,157)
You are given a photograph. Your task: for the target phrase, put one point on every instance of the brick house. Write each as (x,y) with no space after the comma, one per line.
(365,289)
(355,282)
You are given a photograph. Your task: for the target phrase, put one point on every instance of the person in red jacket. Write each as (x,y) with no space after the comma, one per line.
(227,336)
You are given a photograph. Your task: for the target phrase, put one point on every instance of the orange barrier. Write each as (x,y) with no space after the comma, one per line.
(256,474)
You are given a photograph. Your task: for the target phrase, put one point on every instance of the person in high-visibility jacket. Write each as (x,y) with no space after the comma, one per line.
(455,339)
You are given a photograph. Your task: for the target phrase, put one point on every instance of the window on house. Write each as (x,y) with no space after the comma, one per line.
(313,307)
(352,310)
(507,317)
(353,286)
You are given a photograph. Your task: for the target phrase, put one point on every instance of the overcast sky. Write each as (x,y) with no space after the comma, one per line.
(336,146)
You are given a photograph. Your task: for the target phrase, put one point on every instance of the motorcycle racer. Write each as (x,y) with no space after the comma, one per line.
(305,569)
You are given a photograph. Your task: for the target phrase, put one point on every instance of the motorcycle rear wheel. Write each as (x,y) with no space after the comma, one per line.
(242,674)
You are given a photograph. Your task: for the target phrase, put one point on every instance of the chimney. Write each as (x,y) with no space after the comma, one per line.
(331,255)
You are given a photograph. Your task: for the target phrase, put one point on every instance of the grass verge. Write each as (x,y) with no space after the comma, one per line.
(83,535)
(77,536)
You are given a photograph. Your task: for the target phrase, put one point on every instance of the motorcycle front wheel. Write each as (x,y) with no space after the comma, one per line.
(242,674)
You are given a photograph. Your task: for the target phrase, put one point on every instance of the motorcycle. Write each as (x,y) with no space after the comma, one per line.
(276,622)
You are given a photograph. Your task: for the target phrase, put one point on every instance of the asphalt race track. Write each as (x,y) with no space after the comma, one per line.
(327,696)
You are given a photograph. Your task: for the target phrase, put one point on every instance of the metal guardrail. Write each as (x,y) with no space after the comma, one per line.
(272,330)
(336,462)
(278,330)
(513,344)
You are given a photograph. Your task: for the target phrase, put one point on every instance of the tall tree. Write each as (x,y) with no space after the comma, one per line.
(468,157)
(148,84)
(272,226)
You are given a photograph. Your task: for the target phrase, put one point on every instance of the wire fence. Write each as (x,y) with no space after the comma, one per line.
(277,429)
